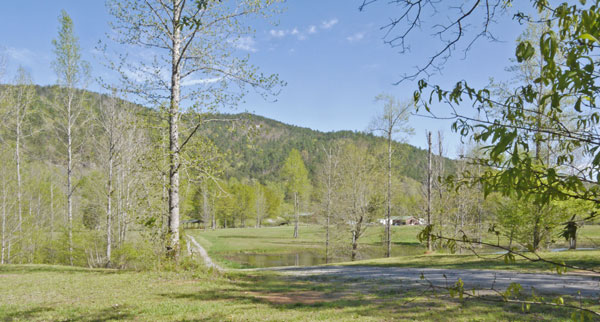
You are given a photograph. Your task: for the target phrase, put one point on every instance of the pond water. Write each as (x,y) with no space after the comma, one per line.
(311,258)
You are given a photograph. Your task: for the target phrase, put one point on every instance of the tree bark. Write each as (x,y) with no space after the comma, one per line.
(69,176)
(297,214)
(429,248)
(18,161)
(206,214)
(354,246)
(173,245)
(109,209)
(3,259)
(388,224)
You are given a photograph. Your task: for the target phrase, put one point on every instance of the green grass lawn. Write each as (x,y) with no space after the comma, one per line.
(280,239)
(57,293)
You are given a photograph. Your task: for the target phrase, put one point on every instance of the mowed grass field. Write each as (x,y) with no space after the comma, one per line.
(58,293)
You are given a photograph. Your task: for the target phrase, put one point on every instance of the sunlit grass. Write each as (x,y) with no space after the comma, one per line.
(48,293)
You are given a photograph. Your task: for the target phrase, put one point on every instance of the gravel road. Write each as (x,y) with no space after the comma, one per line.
(589,286)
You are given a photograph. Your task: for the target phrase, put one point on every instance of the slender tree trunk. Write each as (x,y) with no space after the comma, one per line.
(441,190)
(213,219)
(119,209)
(205,210)
(18,161)
(127,207)
(51,210)
(537,231)
(297,214)
(573,241)
(354,246)
(69,178)
(3,259)
(109,208)
(388,224)
(173,246)
(429,248)
(538,157)
(328,214)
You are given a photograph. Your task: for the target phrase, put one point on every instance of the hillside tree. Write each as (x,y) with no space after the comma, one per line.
(72,75)
(393,120)
(297,184)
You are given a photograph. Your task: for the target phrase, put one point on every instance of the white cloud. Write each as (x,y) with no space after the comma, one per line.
(21,55)
(201,81)
(329,23)
(302,35)
(356,37)
(245,43)
(278,33)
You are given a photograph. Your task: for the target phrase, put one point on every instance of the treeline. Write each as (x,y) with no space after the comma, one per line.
(243,171)
(232,175)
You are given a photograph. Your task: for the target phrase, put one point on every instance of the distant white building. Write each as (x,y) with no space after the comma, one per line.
(404,220)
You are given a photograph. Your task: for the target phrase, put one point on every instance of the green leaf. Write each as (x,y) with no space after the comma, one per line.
(588,37)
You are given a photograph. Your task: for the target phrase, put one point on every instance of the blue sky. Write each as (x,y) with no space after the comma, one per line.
(331,55)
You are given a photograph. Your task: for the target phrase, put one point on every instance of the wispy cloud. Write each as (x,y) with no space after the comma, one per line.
(21,55)
(278,33)
(356,37)
(302,33)
(329,23)
(200,81)
(245,43)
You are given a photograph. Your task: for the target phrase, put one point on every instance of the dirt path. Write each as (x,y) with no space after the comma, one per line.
(195,248)
(571,284)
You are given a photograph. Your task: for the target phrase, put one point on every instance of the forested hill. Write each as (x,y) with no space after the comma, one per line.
(259,153)
(256,146)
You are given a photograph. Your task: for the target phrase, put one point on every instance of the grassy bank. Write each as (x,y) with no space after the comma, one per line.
(584,258)
(42,293)
(279,240)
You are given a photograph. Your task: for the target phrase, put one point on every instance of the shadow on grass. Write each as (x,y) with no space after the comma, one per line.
(39,313)
(36,268)
(27,314)
(106,314)
(361,298)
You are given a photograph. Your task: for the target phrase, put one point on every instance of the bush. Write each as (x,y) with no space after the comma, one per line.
(134,255)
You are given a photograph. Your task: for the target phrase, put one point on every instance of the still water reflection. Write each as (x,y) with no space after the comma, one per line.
(310,258)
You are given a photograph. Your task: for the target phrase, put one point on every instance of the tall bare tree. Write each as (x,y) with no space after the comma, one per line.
(20,98)
(429,174)
(191,45)
(113,122)
(329,178)
(260,203)
(72,76)
(8,227)
(392,121)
